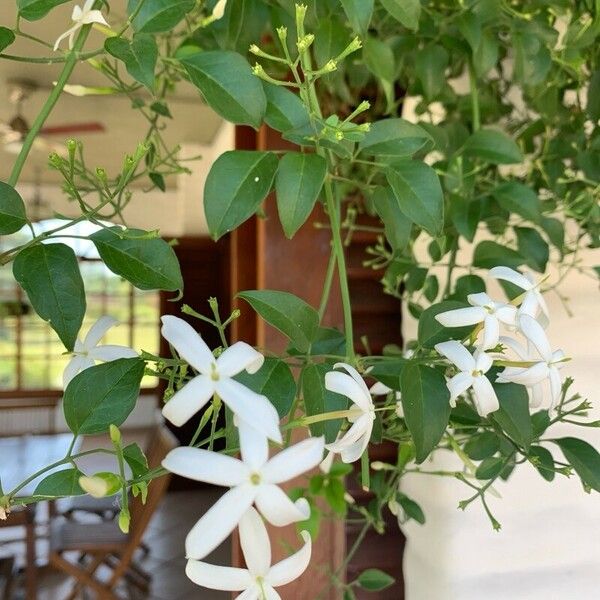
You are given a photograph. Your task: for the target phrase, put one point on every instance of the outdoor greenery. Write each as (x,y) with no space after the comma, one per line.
(503,166)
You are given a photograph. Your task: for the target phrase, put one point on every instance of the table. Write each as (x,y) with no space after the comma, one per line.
(20,457)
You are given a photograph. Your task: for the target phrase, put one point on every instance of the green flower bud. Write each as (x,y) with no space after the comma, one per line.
(115,435)
(101,484)
(124,520)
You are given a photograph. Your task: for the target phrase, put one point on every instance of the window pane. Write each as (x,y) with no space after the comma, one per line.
(8,373)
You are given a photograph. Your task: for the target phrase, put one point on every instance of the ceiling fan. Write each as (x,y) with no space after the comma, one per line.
(13,131)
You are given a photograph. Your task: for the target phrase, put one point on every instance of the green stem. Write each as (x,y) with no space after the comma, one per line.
(327,285)
(474,96)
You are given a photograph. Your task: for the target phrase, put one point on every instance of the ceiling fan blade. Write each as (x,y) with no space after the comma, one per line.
(92,127)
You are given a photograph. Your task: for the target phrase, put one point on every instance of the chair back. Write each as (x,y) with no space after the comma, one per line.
(161,443)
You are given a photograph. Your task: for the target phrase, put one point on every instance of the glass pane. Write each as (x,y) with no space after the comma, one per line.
(8,373)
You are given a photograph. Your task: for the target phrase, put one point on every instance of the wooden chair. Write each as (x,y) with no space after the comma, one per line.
(102,543)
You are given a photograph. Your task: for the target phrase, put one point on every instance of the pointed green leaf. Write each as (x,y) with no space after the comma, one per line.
(156,16)
(135,458)
(533,247)
(12,210)
(394,137)
(489,254)
(374,580)
(32,10)
(149,263)
(359,13)
(291,315)
(50,275)
(513,415)
(397,225)
(103,395)
(139,55)
(520,199)
(490,468)
(431,63)
(228,86)
(494,147)
(406,12)
(584,458)
(544,461)
(285,111)
(419,193)
(236,185)
(426,403)
(7,37)
(60,484)
(298,184)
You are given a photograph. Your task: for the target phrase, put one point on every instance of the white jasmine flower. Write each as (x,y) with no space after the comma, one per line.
(3,514)
(533,301)
(216,376)
(260,578)
(542,370)
(86,353)
(472,369)
(380,389)
(527,354)
(482,310)
(253,480)
(219,9)
(82,15)
(355,441)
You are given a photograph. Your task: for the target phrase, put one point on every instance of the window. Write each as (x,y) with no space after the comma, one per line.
(32,357)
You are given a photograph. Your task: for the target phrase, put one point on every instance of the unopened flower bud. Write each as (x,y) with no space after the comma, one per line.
(394,507)
(364,127)
(304,43)
(349,499)
(124,520)
(55,160)
(282,34)
(255,49)
(353,46)
(377,465)
(100,485)
(115,434)
(339,135)
(219,10)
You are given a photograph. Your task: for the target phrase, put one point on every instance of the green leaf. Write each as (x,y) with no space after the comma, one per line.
(555,231)
(584,458)
(513,415)
(319,400)
(419,193)
(490,468)
(7,37)
(228,86)
(12,210)
(135,458)
(467,284)
(359,13)
(50,275)
(489,254)
(426,403)
(236,185)
(60,484)
(518,198)
(374,580)
(406,12)
(285,111)
(394,137)
(328,340)
(544,461)
(335,492)
(431,63)
(397,225)
(148,263)
(379,59)
(139,55)
(103,395)
(411,509)
(493,146)
(482,446)
(593,95)
(297,320)
(431,332)
(298,184)
(533,247)
(465,214)
(32,10)
(273,380)
(156,16)
(389,372)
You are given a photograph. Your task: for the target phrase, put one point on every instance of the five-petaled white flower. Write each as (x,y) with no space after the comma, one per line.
(86,353)
(254,479)
(216,377)
(482,310)
(354,442)
(82,15)
(260,578)
(533,301)
(472,369)
(544,369)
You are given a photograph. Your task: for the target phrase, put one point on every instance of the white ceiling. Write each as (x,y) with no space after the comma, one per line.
(193,121)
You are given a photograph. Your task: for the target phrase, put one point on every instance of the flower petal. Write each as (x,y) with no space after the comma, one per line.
(252,593)
(254,540)
(491,332)
(290,568)
(512,276)
(380,389)
(340,383)
(354,374)
(98,330)
(294,461)
(67,34)
(535,333)
(237,358)
(75,366)
(457,354)
(483,361)
(94,16)
(254,446)
(515,346)
(359,428)
(480,299)
(353,452)
(507,314)
(484,396)
(528,376)
(537,395)
(188,343)
(277,508)
(250,407)
(555,386)
(203,465)
(186,402)
(219,521)
(270,593)
(458,385)
(461,316)
(110,352)
(227,579)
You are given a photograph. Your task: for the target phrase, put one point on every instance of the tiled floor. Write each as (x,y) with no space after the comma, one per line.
(165,538)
